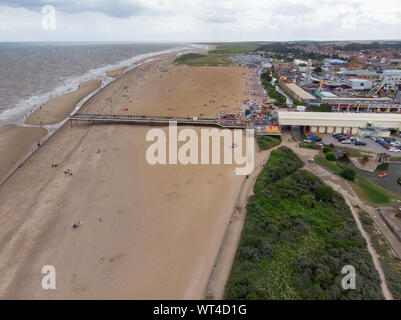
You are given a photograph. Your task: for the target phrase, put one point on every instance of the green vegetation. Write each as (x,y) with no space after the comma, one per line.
(367,190)
(298,235)
(280,100)
(233,48)
(267,142)
(348,173)
(309,146)
(396,159)
(331,156)
(326,149)
(216,57)
(324,107)
(200,60)
(399,180)
(365,159)
(390,264)
(281,50)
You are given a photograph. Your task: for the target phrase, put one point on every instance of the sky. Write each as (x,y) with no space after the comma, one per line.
(199,20)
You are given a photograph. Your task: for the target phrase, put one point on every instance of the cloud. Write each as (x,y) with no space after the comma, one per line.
(115,8)
(196,20)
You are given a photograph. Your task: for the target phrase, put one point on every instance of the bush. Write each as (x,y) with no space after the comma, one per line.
(324,192)
(365,159)
(330,156)
(348,173)
(326,149)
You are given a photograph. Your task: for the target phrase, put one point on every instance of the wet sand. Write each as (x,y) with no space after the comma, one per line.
(57,109)
(116,73)
(15,142)
(148,232)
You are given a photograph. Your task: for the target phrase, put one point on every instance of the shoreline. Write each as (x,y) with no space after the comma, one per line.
(170,218)
(74,107)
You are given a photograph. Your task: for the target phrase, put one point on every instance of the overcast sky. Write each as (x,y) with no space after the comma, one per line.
(202,20)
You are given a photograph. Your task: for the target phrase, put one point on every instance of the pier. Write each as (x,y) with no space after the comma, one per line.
(93,119)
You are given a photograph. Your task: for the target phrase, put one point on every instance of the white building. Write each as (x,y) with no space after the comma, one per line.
(359,84)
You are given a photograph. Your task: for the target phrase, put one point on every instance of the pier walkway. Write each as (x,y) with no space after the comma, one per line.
(146,120)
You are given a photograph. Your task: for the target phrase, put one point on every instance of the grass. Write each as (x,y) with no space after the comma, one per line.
(297,236)
(367,190)
(396,159)
(390,263)
(216,57)
(352,152)
(267,142)
(309,146)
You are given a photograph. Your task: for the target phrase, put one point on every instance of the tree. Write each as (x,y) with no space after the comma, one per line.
(348,173)
(324,192)
(326,149)
(330,156)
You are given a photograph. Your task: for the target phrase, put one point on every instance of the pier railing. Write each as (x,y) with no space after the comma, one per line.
(152,120)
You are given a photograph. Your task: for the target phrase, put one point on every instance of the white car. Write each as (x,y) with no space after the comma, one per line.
(394,150)
(347,141)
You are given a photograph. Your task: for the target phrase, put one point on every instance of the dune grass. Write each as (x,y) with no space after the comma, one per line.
(267,142)
(217,57)
(297,236)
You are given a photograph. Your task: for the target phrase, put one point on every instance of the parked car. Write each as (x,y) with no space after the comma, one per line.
(374,138)
(346,141)
(342,139)
(384,144)
(319,144)
(360,143)
(392,149)
(335,135)
(308,141)
(353,139)
(389,139)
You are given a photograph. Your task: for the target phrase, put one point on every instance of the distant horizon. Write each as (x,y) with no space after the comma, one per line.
(188,41)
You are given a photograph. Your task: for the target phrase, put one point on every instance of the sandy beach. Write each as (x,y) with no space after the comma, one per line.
(15,142)
(57,109)
(148,232)
(159,89)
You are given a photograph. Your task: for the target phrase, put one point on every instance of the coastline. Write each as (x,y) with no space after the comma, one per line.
(55,112)
(171,219)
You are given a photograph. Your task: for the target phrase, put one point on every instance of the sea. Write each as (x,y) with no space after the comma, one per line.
(33,73)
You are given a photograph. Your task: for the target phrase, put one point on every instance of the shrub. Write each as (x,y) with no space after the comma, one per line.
(348,173)
(330,156)
(365,159)
(324,192)
(326,149)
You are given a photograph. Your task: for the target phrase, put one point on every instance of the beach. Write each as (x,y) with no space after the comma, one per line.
(147,232)
(58,109)
(15,142)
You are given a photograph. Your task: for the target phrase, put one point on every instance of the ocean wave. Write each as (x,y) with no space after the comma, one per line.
(26,106)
